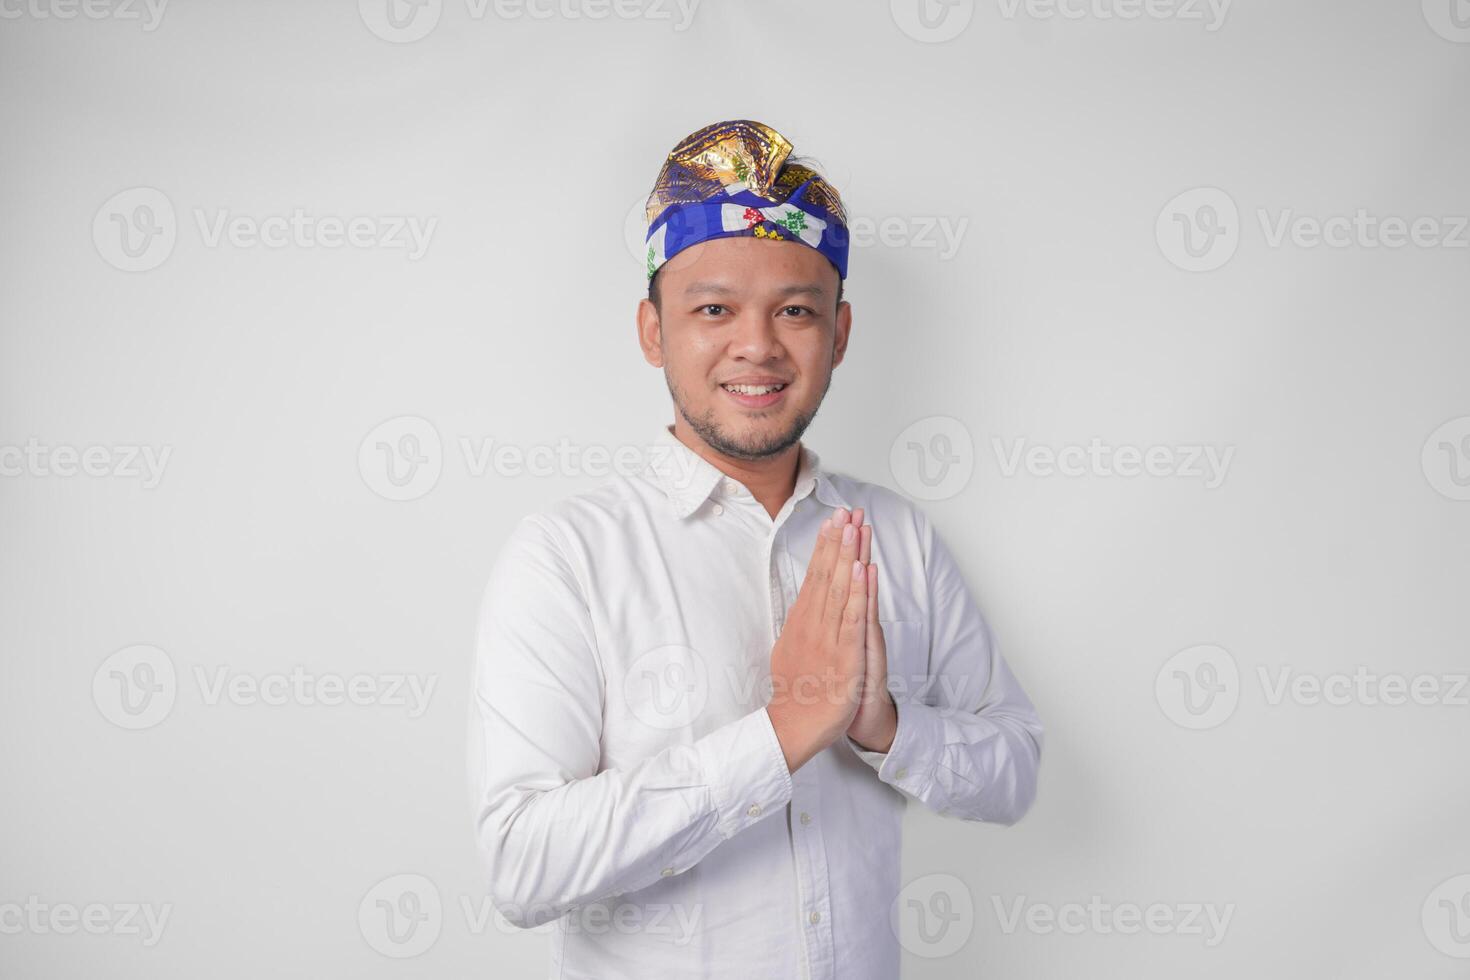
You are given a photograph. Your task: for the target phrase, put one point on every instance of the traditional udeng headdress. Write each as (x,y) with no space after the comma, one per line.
(732,179)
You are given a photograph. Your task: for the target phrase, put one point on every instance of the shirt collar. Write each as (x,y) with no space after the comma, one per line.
(688,479)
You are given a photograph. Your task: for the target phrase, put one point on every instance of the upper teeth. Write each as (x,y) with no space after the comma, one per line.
(754,389)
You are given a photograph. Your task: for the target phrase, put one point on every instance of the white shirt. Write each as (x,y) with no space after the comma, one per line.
(626,779)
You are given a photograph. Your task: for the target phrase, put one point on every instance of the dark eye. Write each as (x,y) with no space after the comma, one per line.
(715,307)
(799,311)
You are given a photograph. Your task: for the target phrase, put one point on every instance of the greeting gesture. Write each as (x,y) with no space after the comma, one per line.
(819,662)
(876,721)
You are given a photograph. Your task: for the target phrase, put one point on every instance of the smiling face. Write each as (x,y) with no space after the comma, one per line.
(747,331)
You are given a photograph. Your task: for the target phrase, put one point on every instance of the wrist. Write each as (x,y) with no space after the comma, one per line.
(801,735)
(877,737)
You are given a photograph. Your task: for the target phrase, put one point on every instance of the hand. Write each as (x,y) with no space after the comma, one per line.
(818,663)
(876,721)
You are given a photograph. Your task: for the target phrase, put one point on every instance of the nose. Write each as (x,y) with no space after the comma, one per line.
(755,338)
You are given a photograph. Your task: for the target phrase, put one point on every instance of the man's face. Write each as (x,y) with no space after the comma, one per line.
(748,334)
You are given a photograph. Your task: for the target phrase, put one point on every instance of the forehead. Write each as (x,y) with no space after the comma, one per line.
(748,265)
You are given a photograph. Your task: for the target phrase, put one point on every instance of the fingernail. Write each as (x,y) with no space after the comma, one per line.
(847,533)
(841,516)
(857,569)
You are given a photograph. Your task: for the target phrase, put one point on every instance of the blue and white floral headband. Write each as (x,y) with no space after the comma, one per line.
(732,179)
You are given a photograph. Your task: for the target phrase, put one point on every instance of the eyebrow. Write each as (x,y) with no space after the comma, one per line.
(790,289)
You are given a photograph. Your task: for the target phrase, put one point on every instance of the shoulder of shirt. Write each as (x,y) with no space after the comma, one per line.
(606,503)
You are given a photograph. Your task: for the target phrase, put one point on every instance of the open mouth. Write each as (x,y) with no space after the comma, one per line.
(756,396)
(752,389)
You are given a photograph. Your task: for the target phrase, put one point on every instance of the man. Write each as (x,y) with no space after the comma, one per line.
(697,716)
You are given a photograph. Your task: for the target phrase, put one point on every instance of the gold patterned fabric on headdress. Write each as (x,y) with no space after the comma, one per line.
(732,178)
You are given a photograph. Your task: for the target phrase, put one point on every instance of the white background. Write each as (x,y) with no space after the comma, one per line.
(1057,140)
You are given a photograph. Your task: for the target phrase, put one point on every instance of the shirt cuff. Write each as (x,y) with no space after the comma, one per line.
(746,771)
(908,764)
(874,759)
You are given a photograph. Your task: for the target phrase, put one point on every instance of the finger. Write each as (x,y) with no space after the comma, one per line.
(873,595)
(875,662)
(865,544)
(813,589)
(854,620)
(841,586)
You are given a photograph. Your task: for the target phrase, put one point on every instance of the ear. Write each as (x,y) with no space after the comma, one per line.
(840,334)
(650,333)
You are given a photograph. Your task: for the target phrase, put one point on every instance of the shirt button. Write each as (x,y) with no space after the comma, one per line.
(732,488)
(806,818)
(816,917)
(755,810)
(719,510)
(667,872)
(902,772)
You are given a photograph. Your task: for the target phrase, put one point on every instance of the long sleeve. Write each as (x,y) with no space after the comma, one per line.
(553,831)
(968,743)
